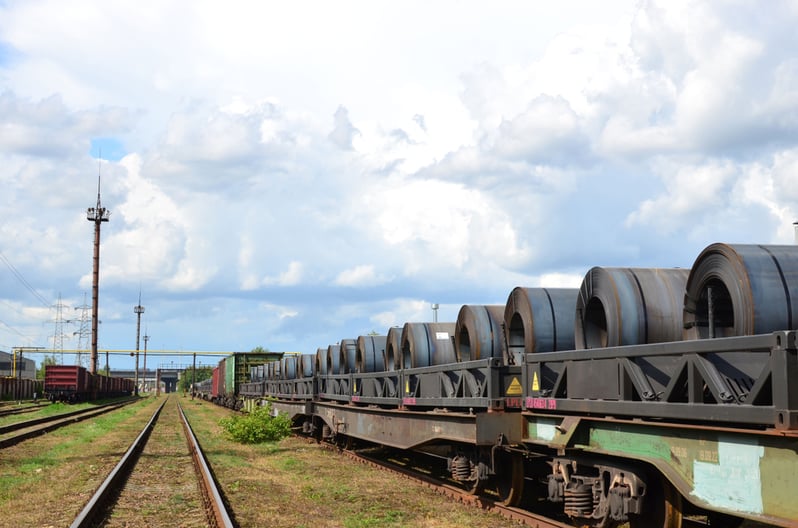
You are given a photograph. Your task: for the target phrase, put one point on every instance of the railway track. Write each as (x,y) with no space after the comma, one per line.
(17,432)
(162,480)
(408,469)
(10,411)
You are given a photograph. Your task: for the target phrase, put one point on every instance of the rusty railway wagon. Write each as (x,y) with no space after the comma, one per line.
(72,383)
(645,396)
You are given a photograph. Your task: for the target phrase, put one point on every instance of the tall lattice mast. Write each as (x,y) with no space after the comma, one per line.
(58,334)
(83,333)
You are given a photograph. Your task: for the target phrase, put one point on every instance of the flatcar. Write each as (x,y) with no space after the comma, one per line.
(72,383)
(643,397)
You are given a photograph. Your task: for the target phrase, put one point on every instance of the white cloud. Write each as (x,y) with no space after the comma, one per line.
(286,180)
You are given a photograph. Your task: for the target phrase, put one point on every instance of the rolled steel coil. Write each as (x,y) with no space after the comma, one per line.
(630,306)
(307,365)
(289,366)
(478,332)
(754,290)
(334,359)
(393,349)
(427,344)
(370,353)
(321,361)
(348,360)
(538,320)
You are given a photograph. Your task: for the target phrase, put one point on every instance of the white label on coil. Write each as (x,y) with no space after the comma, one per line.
(441,335)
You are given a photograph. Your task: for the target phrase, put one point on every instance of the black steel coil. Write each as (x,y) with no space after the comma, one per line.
(307,365)
(478,332)
(629,306)
(289,367)
(539,320)
(427,344)
(347,363)
(371,353)
(393,349)
(334,359)
(321,361)
(754,290)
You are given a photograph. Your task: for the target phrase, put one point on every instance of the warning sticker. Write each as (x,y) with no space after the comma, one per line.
(515,388)
(407,386)
(535,382)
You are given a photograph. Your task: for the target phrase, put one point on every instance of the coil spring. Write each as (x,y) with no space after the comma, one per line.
(461,468)
(579,500)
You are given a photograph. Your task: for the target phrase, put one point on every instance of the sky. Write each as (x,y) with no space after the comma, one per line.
(290,174)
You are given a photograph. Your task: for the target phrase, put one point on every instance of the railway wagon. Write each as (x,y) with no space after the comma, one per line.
(234,370)
(72,383)
(19,389)
(673,400)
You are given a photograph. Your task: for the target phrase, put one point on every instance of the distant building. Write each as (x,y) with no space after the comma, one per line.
(26,367)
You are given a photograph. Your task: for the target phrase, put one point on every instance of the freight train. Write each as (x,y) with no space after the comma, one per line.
(646,396)
(72,383)
(222,387)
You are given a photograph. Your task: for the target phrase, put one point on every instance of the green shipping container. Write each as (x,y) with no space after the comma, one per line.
(237,366)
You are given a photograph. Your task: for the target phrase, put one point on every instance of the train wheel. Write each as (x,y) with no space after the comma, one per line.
(509,477)
(663,509)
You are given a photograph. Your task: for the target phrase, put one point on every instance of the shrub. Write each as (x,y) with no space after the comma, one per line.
(257,427)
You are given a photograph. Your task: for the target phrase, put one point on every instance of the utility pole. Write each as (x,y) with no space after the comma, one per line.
(193,375)
(58,334)
(138,310)
(435,312)
(146,338)
(98,215)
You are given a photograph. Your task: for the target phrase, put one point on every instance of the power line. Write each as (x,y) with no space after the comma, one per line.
(22,280)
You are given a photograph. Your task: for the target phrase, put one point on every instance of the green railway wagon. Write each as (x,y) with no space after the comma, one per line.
(236,368)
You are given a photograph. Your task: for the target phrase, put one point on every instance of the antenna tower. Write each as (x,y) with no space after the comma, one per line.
(84,333)
(98,215)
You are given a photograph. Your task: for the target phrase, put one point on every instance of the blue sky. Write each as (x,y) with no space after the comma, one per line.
(290,175)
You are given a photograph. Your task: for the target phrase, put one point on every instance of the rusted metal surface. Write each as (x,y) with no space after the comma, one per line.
(523,517)
(478,332)
(629,306)
(218,516)
(110,486)
(754,291)
(539,320)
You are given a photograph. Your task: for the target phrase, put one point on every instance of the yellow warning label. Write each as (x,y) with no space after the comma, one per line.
(535,382)
(515,388)
(354,386)
(407,386)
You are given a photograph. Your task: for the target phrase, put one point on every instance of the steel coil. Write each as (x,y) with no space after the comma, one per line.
(478,332)
(288,369)
(393,349)
(371,353)
(321,361)
(630,306)
(748,289)
(307,365)
(334,359)
(347,363)
(427,344)
(538,320)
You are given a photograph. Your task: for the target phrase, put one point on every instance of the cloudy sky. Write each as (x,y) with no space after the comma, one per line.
(290,174)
